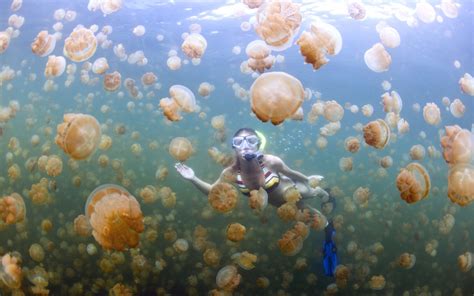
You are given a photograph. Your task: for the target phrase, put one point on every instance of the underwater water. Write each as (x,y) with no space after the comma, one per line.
(157,234)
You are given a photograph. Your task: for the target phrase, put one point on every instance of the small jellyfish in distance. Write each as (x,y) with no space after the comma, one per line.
(223,197)
(461,184)
(377,133)
(432,114)
(79,135)
(377,282)
(235,232)
(417,152)
(115,217)
(180,148)
(406,260)
(413,182)
(457,108)
(352,144)
(356,10)
(377,58)
(112,81)
(228,278)
(276,96)
(466,83)
(465,261)
(194,46)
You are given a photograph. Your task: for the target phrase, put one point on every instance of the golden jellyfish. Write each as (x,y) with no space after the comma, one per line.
(406,260)
(194,46)
(54,166)
(417,152)
(457,108)
(149,194)
(352,144)
(43,44)
(184,97)
(356,10)
(465,261)
(333,112)
(458,145)
(235,232)
(212,257)
(253,3)
(377,133)
(287,211)
(277,23)
(432,114)
(301,229)
(345,164)
(39,194)
(290,243)
(148,78)
(413,182)
(425,12)
(82,226)
(218,122)
(276,96)
(386,162)
(100,65)
(342,275)
(291,194)
(377,58)
(4,41)
(180,148)
(392,102)
(205,89)
(258,199)
(388,35)
(167,196)
(36,252)
(80,45)
(377,282)
(115,217)
(361,196)
(461,184)
(449,8)
(323,39)
(16,5)
(466,82)
(10,271)
(55,66)
(245,260)
(181,245)
(12,209)
(79,135)
(223,197)
(259,56)
(173,63)
(228,278)
(170,109)
(112,81)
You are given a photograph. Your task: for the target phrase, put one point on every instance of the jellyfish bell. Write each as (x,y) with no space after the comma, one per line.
(223,197)
(458,145)
(392,102)
(55,66)
(245,260)
(457,108)
(377,282)
(466,261)
(323,39)
(413,182)
(12,209)
(432,114)
(4,41)
(333,112)
(406,260)
(100,65)
(377,58)
(80,45)
(112,81)
(389,37)
(461,184)
(10,271)
(184,97)
(43,44)
(466,83)
(258,199)
(425,12)
(228,278)
(79,135)
(377,133)
(194,46)
(291,243)
(276,96)
(180,148)
(356,10)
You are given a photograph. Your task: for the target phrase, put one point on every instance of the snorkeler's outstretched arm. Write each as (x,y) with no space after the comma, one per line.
(188,174)
(279,166)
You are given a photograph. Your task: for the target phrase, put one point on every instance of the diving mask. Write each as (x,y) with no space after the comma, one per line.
(251,140)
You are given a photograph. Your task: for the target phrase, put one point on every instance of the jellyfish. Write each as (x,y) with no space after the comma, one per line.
(170,109)
(43,44)
(361,196)
(173,63)
(377,134)
(287,211)
(291,194)
(112,81)
(352,144)
(388,35)
(235,232)
(277,23)
(36,252)
(425,12)
(39,192)
(466,82)
(367,110)
(461,184)
(431,114)
(301,229)
(457,108)
(100,65)
(181,245)
(212,257)
(54,166)
(180,148)
(290,243)
(377,58)
(276,96)
(417,152)
(245,260)
(82,226)
(345,164)
(258,199)
(413,182)
(386,162)
(167,196)
(184,97)
(259,56)
(115,217)
(342,276)
(205,89)
(194,46)
(228,278)
(10,271)
(323,39)
(79,135)
(223,197)
(356,10)
(16,5)
(392,102)
(406,260)
(465,261)
(12,209)
(333,112)
(148,78)
(253,3)
(377,282)
(80,45)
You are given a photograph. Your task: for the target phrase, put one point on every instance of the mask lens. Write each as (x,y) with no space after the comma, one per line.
(237,141)
(252,140)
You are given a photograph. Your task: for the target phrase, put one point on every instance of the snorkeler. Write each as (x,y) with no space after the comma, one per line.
(254,170)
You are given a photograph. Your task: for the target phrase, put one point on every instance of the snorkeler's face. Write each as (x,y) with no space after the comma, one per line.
(245,143)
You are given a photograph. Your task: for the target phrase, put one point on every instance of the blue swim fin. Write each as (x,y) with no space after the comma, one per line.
(330,260)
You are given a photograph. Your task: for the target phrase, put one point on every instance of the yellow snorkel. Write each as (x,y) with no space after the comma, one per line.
(263,140)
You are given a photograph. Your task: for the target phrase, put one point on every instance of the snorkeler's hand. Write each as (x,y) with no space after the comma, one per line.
(185,171)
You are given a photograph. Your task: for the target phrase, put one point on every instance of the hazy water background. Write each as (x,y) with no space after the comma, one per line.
(422,71)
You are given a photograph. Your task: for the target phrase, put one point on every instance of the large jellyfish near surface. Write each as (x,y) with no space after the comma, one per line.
(377,58)
(79,135)
(223,197)
(458,145)
(413,182)
(323,39)
(461,184)
(377,133)
(115,217)
(276,96)
(80,45)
